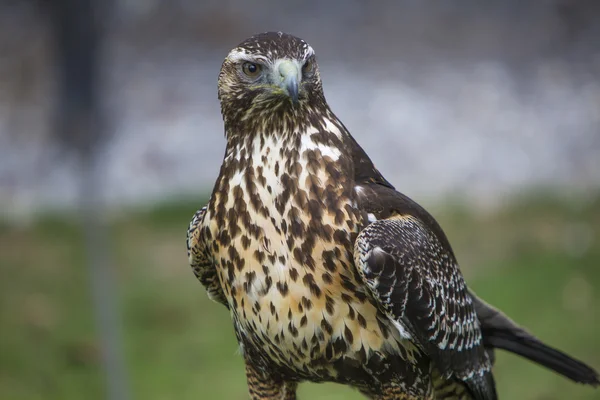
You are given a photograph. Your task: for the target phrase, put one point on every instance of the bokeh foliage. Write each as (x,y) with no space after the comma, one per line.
(537,259)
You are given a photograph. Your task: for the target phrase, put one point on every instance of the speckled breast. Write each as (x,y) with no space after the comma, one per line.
(284,234)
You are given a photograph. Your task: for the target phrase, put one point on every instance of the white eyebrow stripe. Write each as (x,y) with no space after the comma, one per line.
(309,51)
(240,54)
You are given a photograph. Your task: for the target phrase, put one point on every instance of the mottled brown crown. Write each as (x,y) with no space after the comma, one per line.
(275,45)
(248,106)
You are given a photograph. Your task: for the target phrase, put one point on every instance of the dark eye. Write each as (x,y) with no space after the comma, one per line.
(309,67)
(251,70)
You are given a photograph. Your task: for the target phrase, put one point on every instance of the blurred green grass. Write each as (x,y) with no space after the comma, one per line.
(538,259)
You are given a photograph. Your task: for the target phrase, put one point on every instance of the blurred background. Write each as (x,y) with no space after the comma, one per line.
(111,137)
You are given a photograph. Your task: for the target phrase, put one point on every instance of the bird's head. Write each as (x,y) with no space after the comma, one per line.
(269,76)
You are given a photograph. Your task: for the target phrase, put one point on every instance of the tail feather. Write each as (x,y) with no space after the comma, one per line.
(538,352)
(502,333)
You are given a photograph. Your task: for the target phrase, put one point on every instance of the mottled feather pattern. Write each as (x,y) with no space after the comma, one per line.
(328,272)
(200,260)
(420,286)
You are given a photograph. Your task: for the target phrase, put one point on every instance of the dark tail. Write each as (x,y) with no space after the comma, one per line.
(502,333)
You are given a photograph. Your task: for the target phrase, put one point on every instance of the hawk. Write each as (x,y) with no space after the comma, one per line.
(329,273)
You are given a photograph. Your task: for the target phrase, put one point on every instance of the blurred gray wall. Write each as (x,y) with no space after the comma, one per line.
(469,99)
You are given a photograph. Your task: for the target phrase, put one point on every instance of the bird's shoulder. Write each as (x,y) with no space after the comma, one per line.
(380,202)
(364,169)
(378,197)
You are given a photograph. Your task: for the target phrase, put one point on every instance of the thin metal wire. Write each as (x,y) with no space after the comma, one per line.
(102,282)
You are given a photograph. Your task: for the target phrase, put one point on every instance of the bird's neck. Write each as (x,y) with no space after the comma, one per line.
(290,130)
(310,155)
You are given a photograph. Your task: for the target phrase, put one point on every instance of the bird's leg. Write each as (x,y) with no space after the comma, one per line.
(289,390)
(262,386)
(392,391)
(395,395)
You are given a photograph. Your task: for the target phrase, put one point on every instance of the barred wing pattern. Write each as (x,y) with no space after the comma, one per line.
(417,283)
(200,261)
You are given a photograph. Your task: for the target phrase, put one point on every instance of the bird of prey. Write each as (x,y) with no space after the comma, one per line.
(329,273)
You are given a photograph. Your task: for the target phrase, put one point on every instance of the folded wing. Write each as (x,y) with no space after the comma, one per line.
(416,281)
(200,260)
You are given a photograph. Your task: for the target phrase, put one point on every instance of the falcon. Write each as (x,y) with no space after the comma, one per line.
(329,273)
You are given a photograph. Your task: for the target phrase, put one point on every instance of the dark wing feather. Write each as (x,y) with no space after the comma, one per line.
(200,260)
(501,332)
(364,170)
(417,283)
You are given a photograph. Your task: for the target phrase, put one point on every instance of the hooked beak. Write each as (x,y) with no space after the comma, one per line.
(289,73)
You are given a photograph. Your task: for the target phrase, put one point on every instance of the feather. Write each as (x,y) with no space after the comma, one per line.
(418,284)
(199,260)
(502,333)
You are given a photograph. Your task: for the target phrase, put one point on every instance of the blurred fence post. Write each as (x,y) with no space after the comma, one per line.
(78,28)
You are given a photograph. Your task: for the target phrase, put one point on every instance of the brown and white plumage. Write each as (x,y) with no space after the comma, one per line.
(200,259)
(328,272)
(417,282)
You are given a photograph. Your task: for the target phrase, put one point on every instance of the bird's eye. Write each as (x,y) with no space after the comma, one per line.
(309,67)
(252,70)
